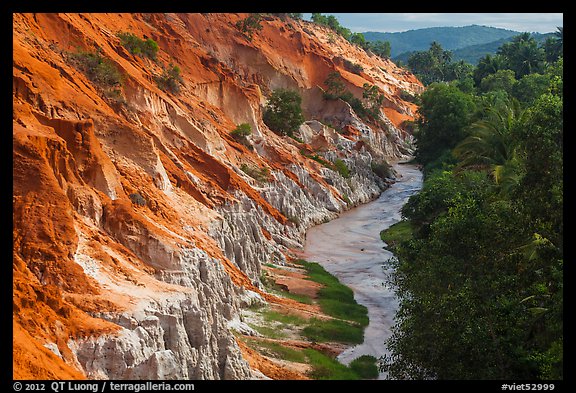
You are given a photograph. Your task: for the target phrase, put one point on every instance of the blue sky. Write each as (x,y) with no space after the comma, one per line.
(531,22)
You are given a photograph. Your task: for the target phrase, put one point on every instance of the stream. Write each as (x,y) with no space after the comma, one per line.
(350,248)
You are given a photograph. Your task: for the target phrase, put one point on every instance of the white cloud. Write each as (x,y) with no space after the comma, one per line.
(532,22)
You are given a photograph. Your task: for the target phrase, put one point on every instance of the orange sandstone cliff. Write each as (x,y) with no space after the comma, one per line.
(139,227)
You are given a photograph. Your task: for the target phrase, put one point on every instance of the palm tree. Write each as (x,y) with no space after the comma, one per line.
(554,46)
(486,66)
(522,55)
(491,145)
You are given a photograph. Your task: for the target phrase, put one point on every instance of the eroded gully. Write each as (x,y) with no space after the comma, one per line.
(350,248)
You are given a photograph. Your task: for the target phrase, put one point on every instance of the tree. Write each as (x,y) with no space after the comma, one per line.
(380,48)
(522,55)
(358,39)
(431,65)
(492,145)
(487,65)
(541,145)
(374,99)
(500,80)
(249,25)
(283,113)
(444,113)
(554,46)
(335,86)
(530,87)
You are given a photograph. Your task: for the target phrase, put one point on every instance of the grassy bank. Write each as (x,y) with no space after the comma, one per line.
(397,233)
(343,322)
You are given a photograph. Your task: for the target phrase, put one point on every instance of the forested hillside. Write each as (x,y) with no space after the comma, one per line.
(479,268)
(449,37)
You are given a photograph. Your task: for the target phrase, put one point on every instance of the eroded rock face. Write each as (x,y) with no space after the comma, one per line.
(140,223)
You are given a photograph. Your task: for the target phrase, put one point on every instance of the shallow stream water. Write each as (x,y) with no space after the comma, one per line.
(350,248)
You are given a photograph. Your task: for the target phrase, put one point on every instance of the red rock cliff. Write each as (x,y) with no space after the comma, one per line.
(138,229)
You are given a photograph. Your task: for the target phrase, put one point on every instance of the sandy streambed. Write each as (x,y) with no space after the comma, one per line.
(350,248)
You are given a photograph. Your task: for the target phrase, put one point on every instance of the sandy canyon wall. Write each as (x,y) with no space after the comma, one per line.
(138,235)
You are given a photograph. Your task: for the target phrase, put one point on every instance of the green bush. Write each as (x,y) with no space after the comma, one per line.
(241,131)
(382,169)
(138,46)
(170,80)
(365,366)
(283,114)
(249,25)
(262,175)
(342,168)
(97,68)
(353,67)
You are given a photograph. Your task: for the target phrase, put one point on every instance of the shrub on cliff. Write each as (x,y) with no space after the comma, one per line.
(170,79)
(97,68)
(241,131)
(283,113)
(249,25)
(137,46)
(342,168)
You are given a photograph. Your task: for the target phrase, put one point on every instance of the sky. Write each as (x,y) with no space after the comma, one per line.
(522,22)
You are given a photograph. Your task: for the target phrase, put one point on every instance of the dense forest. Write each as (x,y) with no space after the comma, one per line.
(479,266)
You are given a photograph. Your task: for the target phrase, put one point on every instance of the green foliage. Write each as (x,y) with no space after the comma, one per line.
(487,65)
(170,80)
(336,299)
(365,366)
(249,25)
(397,233)
(97,68)
(262,175)
(332,22)
(380,48)
(432,65)
(522,55)
(295,15)
(358,39)
(374,99)
(333,330)
(355,68)
(554,46)
(137,46)
(283,113)
(382,169)
(480,275)
(336,89)
(326,368)
(342,168)
(530,87)
(500,80)
(445,113)
(367,110)
(279,351)
(241,131)
(335,86)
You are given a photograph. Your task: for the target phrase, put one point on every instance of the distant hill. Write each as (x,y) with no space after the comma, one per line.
(450,38)
(468,43)
(473,53)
